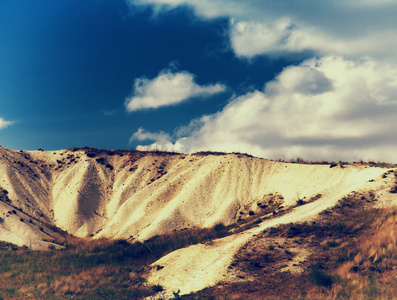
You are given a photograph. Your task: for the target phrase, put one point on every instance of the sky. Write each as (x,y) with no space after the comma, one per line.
(276,79)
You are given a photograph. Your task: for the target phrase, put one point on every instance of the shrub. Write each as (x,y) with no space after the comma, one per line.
(267,257)
(219,227)
(157,288)
(339,227)
(320,278)
(101,160)
(91,154)
(255,264)
(177,294)
(393,190)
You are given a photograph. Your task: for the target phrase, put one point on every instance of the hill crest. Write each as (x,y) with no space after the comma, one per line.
(135,195)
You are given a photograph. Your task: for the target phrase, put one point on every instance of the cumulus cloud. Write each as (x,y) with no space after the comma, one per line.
(327,108)
(279,38)
(204,8)
(4,123)
(275,27)
(168,89)
(341,104)
(162,141)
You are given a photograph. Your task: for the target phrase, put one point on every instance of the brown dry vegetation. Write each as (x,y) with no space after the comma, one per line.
(91,269)
(76,272)
(348,252)
(341,164)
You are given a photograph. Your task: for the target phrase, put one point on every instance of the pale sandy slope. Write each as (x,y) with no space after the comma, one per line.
(199,266)
(25,208)
(137,195)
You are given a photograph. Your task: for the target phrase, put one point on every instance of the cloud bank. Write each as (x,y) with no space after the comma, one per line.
(168,89)
(327,108)
(341,104)
(278,26)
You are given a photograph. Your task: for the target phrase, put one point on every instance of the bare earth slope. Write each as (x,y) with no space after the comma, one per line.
(199,266)
(136,195)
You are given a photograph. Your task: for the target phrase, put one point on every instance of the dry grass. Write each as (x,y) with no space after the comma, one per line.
(91,269)
(340,164)
(349,252)
(60,274)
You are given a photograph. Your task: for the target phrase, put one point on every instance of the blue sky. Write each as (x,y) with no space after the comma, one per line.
(275,79)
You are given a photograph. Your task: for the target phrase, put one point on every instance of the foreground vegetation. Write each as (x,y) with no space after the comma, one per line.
(349,252)
(90,269)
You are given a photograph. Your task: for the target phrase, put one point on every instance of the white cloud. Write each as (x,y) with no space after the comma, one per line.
(162,141)
(142,135)
(4,123)
(340,105)
(281,37)
(204,8)
(274,27)
(168,89)
(328,108)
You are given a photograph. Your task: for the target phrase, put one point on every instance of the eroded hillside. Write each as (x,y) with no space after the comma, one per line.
(136,195)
